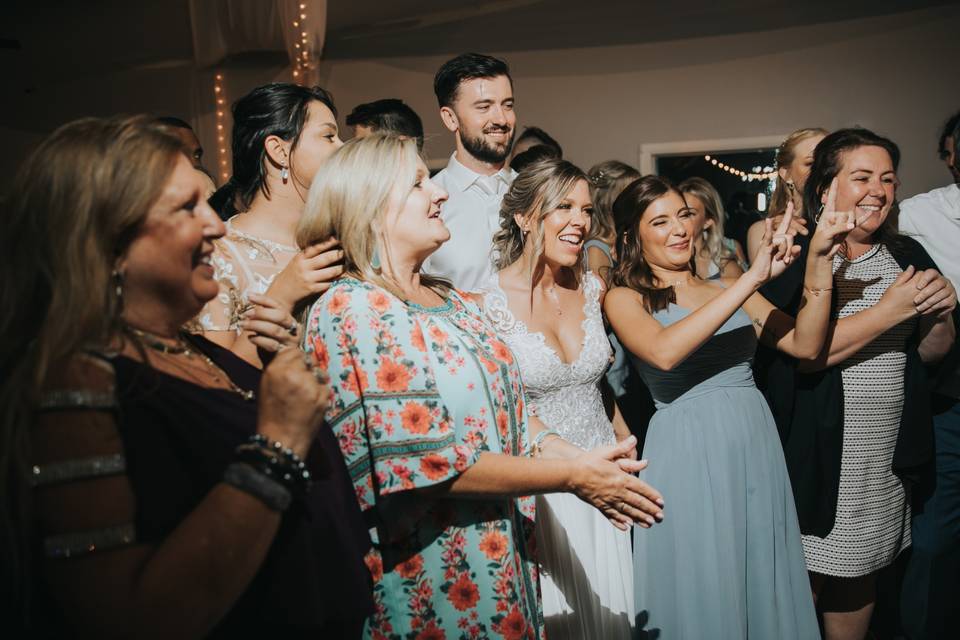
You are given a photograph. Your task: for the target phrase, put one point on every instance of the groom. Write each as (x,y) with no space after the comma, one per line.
(475,93)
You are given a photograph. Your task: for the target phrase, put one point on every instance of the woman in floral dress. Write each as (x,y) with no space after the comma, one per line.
(429,411)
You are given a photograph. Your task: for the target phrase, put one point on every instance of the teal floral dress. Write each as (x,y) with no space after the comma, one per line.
(418,394)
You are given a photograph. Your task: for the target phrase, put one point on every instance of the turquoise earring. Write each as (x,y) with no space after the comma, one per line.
(375,258)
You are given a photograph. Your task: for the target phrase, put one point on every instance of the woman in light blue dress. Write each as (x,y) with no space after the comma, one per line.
(727,562)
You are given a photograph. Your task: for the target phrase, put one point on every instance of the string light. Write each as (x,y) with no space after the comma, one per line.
(301,62)
(757,173)
(221,138)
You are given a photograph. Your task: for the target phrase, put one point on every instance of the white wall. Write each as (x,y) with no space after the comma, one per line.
(894,74)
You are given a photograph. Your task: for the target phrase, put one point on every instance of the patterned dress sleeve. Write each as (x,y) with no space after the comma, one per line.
(222,313)
(394,429)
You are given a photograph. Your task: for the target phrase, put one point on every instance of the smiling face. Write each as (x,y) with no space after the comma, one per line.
(866,185)
(483,118)
(412,224)
(666,230)
(564,229)
(166,269)
(318,140)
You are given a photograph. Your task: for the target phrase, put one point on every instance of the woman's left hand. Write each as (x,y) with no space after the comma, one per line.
(937,295)
(272,328)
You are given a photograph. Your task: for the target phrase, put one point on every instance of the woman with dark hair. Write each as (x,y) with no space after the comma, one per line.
(282,133)
(728,561)
(855,419)
(154,483)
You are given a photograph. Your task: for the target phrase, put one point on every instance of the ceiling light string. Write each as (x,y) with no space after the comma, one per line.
(301,61)
(221,107)
(757,173)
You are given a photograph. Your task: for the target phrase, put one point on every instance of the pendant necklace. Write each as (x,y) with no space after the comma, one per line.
(182,347)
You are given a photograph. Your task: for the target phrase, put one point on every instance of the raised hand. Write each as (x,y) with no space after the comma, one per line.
(310,272)
(832,226)
(776,251)
(271,326)
(293,397)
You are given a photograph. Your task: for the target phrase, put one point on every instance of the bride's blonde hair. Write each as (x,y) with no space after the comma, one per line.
(536,191)
(349,196)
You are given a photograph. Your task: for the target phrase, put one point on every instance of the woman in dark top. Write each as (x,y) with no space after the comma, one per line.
(855,420)
(164,487)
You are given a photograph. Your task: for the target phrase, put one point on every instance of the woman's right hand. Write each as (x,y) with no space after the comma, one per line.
(603,478)
(293,398)
(310,272)
(776,250)
(898,299)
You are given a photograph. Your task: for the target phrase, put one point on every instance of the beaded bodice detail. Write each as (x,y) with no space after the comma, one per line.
(565,396)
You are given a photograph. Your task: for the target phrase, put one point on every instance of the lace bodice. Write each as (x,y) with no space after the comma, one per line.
(565,396)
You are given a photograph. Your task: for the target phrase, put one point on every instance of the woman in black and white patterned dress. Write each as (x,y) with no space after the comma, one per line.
(860,424)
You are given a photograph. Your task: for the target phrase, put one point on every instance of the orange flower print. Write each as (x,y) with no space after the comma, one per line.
(392,376)
(503,422)
(356,381)
(416,338)
(410,567)
(415,418)
(321,356)
(431,632)
(379,300)
(494,545)
(463,593)
(501,352)
(434,466)
(513,626)
(489,364)
(438,334)
(374,563)
(338,302)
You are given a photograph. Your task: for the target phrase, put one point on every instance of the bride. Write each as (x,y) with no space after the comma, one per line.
(548,309)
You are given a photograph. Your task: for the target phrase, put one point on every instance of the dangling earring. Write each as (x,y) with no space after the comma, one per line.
(375,259)
(284,174)
(816,218)
(117,279)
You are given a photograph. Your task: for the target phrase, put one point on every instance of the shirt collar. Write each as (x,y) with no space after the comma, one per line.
(464,178)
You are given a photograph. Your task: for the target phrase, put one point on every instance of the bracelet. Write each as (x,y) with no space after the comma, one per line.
(536,447)
(276,462)
(249,480)
(816,291)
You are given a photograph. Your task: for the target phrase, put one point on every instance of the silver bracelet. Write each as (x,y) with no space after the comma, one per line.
(266,489)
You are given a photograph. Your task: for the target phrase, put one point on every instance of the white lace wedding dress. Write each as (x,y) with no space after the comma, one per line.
(586,564)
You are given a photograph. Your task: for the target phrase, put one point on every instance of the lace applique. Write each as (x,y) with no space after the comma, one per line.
(565,396)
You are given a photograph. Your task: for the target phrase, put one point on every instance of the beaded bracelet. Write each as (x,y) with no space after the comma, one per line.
(536,447)
(276,462)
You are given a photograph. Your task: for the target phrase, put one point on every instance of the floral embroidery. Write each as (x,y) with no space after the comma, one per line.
(443,568)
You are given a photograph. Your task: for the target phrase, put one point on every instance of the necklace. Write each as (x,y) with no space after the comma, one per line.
(182,347)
